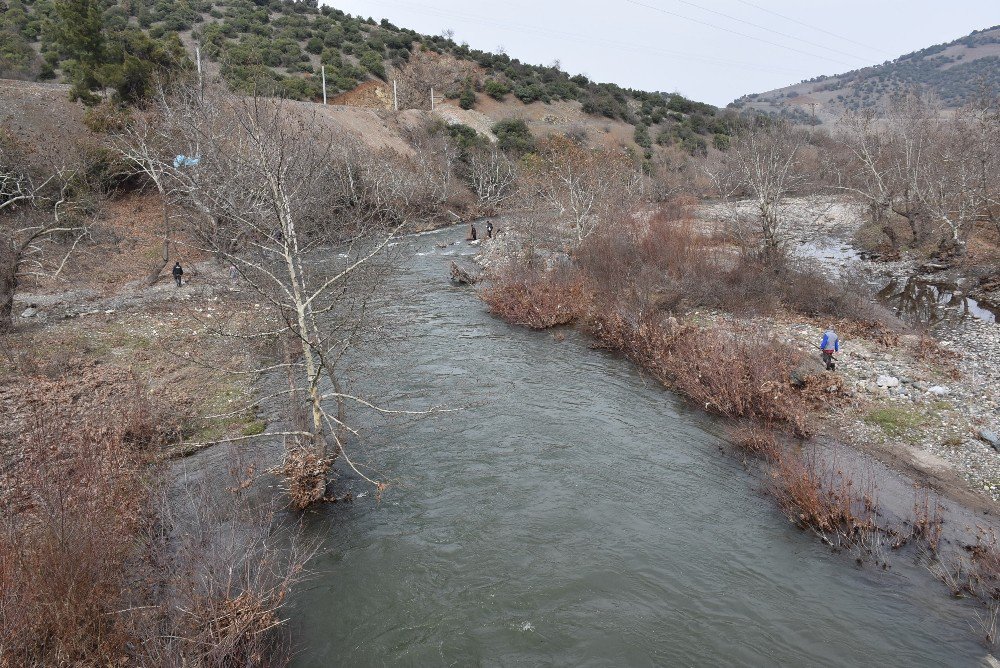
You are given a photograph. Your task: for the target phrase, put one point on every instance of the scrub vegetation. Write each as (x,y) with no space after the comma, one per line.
(112,556)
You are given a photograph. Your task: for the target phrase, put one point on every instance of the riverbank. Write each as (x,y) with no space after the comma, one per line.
(113,548)
(573,511)
(914,400)
(927,400)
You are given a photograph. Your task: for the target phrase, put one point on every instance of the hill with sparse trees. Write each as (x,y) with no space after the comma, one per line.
(955,73)
(278,47)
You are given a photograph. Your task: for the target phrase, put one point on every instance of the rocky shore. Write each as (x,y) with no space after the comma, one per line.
(922,397)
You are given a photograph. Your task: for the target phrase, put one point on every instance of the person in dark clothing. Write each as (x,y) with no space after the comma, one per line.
(177,272)
(489,230)
(473,232)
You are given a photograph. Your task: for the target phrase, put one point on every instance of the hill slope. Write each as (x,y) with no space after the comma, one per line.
(955,72)
(279,46)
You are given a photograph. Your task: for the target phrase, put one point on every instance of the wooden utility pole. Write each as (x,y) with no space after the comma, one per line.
(322,70)
(432,98)
(395,96)
(197,57)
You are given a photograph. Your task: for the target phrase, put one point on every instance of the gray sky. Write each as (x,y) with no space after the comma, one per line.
(710,50)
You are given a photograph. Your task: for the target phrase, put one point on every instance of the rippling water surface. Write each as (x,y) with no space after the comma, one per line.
(576,514)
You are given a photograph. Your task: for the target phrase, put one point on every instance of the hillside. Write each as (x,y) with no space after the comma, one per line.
(954,72)
(279,48)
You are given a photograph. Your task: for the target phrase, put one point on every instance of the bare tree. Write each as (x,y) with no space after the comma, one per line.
(426,70)
(142,145)
(492,175)
(581,187)
(869,172)
(763,160)
(308,213)
(935,169)
(35,206)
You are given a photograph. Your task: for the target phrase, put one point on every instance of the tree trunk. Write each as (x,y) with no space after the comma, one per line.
(8,284)
(158,269)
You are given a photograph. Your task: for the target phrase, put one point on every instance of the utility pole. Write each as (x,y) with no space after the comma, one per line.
(197,57)
(322,69)
(395,96)
(434,99)
(813,106)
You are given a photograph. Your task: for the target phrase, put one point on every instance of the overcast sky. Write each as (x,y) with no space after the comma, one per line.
(710,50)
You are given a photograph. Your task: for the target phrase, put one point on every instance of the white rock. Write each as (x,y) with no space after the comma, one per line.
(938,390)
(887,381)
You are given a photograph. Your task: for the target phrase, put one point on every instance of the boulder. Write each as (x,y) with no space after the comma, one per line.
(887,381)
(990,437)
(939,391)
(807,368)
(30,312)
(464,274)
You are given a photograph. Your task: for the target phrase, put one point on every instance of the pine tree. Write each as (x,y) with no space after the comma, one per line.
(81,36)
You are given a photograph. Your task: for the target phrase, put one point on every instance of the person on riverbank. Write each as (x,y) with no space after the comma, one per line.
(489,230)
(472,232)
(177,273)
(829,345)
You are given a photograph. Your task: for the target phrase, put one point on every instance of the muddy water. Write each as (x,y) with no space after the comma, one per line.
(917,301)
(577,514)
(929,302)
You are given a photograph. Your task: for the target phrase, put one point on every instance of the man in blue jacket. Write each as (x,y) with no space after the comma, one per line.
(829,345)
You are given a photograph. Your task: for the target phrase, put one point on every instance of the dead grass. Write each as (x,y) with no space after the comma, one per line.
(75,500)
(102,564)
(756,441)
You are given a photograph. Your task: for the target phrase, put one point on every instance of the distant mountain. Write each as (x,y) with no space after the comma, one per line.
(955,72)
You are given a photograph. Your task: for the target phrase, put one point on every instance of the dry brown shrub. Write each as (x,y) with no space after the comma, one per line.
(927,520)
(535,299)
(75,501)
(819,496)
(872,330)
(823,389)
(983,574)
(757,441)
(103,561)
(739,372)
(306,475)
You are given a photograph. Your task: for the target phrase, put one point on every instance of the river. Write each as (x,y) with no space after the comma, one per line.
(574,513)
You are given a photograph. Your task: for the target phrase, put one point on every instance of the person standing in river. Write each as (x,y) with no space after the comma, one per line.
(829,345)
(489,229)
(472,232)
(177,273)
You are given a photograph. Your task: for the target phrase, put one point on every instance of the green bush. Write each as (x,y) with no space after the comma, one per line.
(498,90)
(467,99)
(466,137)
(641,136)
(372,62)
(513,135)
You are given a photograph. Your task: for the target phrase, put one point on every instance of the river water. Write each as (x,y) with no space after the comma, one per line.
(576,514)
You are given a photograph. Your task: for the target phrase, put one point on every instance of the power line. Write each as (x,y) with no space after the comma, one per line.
(770,30)
(548,32)
(812,27)
(736,32)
